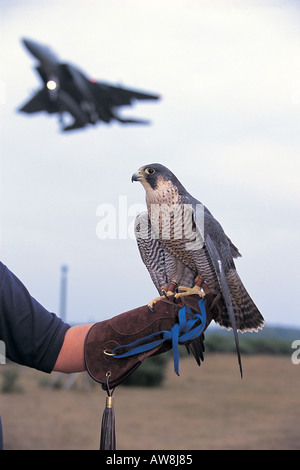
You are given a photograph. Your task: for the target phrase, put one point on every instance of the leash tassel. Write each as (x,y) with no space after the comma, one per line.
(108,433)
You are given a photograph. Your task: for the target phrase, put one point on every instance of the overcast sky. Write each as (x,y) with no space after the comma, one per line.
(227,126)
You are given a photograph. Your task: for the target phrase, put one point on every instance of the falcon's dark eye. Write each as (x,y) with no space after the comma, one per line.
(149,171)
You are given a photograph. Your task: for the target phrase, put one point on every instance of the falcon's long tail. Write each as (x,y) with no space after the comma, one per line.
(247,315)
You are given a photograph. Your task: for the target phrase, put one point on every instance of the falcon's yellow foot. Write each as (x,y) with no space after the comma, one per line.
(162,297)
(182,291)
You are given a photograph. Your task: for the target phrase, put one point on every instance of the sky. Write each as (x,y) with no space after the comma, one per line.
(227,125)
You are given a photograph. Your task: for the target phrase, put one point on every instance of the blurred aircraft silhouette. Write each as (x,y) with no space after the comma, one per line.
(67,90)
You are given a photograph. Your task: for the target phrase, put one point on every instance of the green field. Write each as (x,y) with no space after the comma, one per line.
(205,408)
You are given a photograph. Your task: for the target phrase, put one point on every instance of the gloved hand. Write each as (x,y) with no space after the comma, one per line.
(104,337)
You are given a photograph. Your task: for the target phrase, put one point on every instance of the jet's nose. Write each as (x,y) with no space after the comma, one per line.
(33,47)
(29,44)
(41,52)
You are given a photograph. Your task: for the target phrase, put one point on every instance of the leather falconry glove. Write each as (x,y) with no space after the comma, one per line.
(116,347)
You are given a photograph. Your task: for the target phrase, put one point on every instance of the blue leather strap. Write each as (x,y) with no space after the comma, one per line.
(190,325)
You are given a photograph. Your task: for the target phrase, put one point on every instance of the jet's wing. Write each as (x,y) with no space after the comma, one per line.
(119,96)
(40,102)
(64,102)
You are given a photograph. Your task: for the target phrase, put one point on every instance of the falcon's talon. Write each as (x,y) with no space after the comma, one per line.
(161,297)
(164,293)
(183,291)
(151,304)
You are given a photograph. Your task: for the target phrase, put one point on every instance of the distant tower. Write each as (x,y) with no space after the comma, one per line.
(63,293)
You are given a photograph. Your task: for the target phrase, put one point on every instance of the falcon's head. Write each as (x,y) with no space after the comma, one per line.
(161,185)
(156,176)
(153,174)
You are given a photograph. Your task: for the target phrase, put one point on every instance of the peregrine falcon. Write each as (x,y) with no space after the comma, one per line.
(183,247)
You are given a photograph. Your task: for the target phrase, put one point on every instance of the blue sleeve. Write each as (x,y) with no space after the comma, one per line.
(33,336)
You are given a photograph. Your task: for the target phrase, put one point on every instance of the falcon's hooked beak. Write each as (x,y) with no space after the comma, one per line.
(137,176)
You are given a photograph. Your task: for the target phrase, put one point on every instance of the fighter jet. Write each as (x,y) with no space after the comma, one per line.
(67,90)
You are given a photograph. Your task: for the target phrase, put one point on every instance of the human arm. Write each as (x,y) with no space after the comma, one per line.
(71,355)
(32,335)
